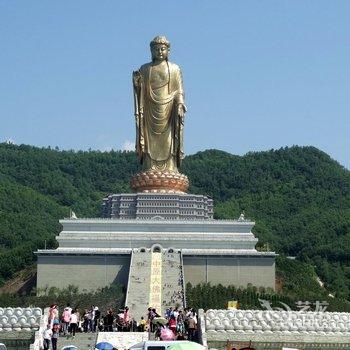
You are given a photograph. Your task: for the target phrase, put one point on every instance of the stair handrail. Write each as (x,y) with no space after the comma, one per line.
(183,280)
(202,335)
(129,275)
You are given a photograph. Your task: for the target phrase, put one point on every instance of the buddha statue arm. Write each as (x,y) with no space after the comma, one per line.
(138,112)
(180,96)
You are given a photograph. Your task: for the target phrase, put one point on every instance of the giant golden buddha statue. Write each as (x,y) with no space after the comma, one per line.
(159,113)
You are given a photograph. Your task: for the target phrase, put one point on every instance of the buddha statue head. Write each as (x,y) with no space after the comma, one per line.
(160,47)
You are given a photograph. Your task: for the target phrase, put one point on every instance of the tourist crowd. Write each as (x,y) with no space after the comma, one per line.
(68,323)
(174,324)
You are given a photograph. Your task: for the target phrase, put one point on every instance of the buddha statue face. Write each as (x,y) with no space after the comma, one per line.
(160,52)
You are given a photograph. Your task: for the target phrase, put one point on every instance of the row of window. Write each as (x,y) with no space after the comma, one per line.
(165,204)
(170,218)
(151,211)
(180,210)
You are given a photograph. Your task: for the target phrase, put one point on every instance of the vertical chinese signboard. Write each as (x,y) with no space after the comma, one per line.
(155,295)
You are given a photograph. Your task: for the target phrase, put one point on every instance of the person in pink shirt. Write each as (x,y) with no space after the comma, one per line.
(53,314)
(126,318)
(66,319)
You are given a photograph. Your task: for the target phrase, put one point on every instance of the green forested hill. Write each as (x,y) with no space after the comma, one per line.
(298,196)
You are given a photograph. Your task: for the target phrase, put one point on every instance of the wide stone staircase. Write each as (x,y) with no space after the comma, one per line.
(156,280)
(173,288)
(137,296)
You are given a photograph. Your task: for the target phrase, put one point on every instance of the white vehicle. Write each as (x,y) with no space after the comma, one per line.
(161,345)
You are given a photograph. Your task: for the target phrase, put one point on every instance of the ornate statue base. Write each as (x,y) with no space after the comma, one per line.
(152,181)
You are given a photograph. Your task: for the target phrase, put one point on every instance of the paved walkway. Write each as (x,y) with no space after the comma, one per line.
(83,341)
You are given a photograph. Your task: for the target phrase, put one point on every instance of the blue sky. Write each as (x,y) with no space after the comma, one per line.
(257,74)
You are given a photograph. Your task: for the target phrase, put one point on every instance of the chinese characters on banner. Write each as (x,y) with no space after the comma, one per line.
(316,306)
(155,295)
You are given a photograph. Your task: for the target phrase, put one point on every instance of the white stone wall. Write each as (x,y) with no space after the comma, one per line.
(88,272)
(107,233)
(230,270)
(91,272)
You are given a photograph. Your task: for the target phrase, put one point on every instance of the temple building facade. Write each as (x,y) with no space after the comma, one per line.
(94,253)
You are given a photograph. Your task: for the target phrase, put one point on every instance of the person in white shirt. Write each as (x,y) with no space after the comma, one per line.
(47,334)
(73,322)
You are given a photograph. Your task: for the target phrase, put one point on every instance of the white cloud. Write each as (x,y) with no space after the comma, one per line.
(128,146)
(10,141)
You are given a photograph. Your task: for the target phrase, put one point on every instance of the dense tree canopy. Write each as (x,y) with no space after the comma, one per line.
(298,196)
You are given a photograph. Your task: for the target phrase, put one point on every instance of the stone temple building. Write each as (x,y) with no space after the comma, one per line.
(148,206)
(153,244)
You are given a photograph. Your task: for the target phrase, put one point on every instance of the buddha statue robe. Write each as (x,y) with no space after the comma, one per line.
(159,128)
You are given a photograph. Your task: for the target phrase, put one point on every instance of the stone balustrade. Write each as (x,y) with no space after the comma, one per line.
(20,319)
(278,322)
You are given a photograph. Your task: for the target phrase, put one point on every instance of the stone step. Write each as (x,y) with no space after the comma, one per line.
(172,280)
(139,284)
(138,293)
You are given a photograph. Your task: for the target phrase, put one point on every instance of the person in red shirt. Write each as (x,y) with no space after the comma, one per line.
(172,324)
